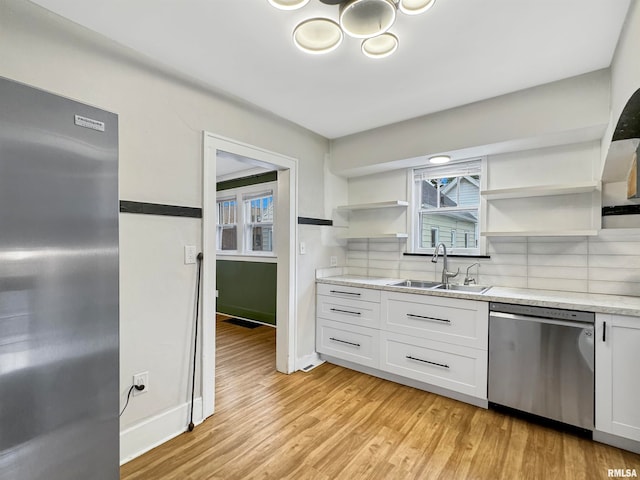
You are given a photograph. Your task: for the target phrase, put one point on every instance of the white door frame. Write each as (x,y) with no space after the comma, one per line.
(286,241)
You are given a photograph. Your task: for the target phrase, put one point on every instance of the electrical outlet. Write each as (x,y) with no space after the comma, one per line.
(141,378)
(334,261)
(189,254)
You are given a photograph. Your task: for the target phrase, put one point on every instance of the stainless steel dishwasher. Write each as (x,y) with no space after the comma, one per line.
(541,361)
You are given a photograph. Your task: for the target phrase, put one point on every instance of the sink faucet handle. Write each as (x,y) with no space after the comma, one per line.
(468,279)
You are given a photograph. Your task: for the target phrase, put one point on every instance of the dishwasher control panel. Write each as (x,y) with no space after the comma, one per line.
(543,312)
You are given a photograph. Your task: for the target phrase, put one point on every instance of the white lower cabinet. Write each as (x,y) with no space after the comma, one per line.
(618,376)
(458,368)
(348,342)
(434,340)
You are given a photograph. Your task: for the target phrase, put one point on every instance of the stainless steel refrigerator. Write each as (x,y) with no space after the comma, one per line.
(58,288)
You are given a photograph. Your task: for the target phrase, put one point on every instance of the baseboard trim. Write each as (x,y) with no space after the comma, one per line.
(392,377)
(154,431)
(616,441)
(311,361)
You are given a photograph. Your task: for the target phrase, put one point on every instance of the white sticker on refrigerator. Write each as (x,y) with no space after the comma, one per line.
(89,123)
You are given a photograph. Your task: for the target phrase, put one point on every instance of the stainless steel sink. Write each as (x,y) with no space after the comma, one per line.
(463,288)
(415,284)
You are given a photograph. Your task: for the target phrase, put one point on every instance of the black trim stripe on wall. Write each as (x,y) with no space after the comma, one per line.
(127,206)
(144,208)
(621,210)
(314,221)
(246,181)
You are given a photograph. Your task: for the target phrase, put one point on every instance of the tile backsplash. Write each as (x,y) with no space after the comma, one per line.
(608,263)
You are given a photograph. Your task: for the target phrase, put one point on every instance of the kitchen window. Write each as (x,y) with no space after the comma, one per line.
(245,223)
(447,207)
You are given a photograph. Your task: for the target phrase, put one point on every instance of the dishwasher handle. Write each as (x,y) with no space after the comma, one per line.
(549,321)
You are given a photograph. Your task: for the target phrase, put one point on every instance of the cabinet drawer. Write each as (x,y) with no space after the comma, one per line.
(349,342)
(338,291)
(451,320)
(356,312)
(461,369)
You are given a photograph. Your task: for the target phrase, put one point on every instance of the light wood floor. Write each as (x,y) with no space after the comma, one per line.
(334,423)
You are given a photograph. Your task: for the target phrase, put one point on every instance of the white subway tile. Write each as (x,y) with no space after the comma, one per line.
(558,260)
(615,288)
(562,284)
(357,254)
(502,281)
(384,273)
(424,266)
(384,264)
(615,248)
(558,248)
(373,255)
(508,259)
(575,273)
(520,247)
(614,261)
(357,271)
(357,262)
(625,275)
(505,270)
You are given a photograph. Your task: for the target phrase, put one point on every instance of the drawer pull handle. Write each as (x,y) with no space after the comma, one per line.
(345,311)
(443,365)
(344,341)
(422,317)
(340,292)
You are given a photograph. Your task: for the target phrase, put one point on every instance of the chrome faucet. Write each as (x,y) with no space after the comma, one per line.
(446,274)
(468,279)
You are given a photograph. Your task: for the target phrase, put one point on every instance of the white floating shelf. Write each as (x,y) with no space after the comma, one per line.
(377,235)
(371,206)
(539,233)
(540,190)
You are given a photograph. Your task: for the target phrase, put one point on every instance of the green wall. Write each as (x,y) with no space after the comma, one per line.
(247,290)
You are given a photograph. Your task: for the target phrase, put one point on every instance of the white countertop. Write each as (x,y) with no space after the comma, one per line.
(590,302)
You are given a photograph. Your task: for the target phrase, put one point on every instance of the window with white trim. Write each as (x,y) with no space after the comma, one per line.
(447,202)
(228,224)
(246,220)
(258,209)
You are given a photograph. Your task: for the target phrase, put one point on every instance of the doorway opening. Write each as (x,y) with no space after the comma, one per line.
(257,223)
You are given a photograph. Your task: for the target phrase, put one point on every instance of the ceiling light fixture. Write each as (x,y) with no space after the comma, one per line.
(317,35)
(288,4)
(369,20)
(439,159)
(415,7)
(380,46)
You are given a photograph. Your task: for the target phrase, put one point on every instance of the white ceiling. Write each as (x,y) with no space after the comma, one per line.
(458,52)
(230,166)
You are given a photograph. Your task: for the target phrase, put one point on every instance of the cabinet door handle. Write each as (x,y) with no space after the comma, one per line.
(604,331)
(340,292)
(344,341)
(443,365)
(422,317)
(345,311)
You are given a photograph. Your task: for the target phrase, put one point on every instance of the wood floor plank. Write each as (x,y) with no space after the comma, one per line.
(334,423)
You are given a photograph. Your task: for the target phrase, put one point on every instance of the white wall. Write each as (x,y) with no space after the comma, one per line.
(568,111)
(162,117)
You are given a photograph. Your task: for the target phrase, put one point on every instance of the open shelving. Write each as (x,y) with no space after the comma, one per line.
(540,190)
